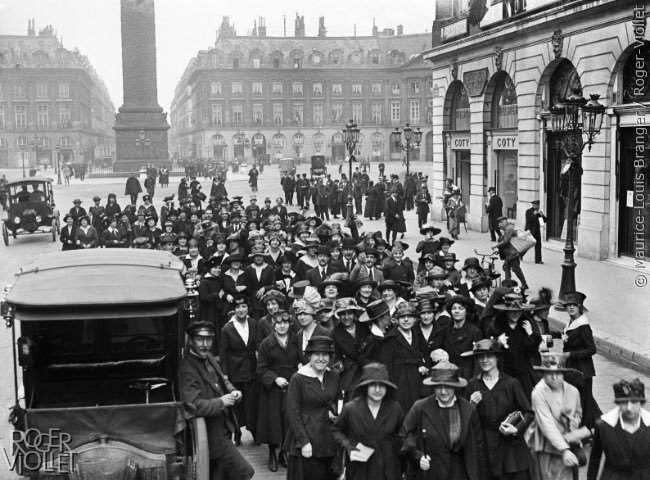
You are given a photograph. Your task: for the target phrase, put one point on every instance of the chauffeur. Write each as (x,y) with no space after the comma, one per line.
(213,396)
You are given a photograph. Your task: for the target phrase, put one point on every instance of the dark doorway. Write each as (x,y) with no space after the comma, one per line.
(463,174)
(557,188)
(633,185)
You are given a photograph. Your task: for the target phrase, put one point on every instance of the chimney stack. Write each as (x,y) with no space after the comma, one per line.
(322,31)
(299,31)
(261,30)
(375,30)
(400,29)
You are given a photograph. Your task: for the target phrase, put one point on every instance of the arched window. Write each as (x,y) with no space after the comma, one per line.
(633,89)
(460,109)
(504,105)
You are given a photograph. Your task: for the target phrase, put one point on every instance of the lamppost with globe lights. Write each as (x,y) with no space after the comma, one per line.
(571,118)
(351,138)
(408,146)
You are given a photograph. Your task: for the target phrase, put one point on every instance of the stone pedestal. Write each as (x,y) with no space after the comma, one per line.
(140,126)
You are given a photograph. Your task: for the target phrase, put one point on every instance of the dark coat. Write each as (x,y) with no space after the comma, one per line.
(580,343)
(400,273)
(209,289)
(266,281)
(494,208)
(77,213)
(319,331)
(68,238)
(202,390)
(456,341)
(238,360)
(346,348)
(394,212)
(356,424)
(372,209)
(90,238)
(274,361)
(426,415)
(132,187)
(113,239)
(532,221)
(506,454)
(403,361)
(308,405)
(230,288)
(314,276)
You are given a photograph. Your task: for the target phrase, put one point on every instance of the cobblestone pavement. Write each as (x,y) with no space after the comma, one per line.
(23,250)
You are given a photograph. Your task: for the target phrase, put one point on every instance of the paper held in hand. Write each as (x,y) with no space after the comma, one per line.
(361,453)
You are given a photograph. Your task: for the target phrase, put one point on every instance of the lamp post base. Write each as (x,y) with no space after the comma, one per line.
(568,282)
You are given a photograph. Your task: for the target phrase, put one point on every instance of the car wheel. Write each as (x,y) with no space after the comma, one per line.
(5,234)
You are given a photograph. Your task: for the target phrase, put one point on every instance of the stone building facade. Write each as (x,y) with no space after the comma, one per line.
(53,95)
(291,96)
(499,69)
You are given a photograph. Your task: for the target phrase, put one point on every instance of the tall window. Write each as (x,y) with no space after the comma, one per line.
(217,115)
(317,88)
(376,88)
(375,58)
(41,90)
(236,88)
(276,63)
(297,88)
(395,88)
(64,114)
(395,108)
(297,115)
(215,88)
(21,116)
(376,113)
(237,114)
(257,89)
(2,116)
(277,114)
(43,116)
(415,87)
(19,90)
(337,89)
(258,114)
(357,113)
(460,109)
(64,90)
(504,109)
(317,113)
(430,83)
(277,88)
(66,143)
(415,111)
(356,89)
(257,63)
(337,112)
(235,62)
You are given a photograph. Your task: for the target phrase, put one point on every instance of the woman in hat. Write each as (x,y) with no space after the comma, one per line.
(365,292)
(442,432)
(285,274)
(579,347)
(274,301)
(68,233)
(512,326)
(306,316)
(422,202)
(453,275)
(406,355)
(430,329)
(542,306)
(279,209)
(149,208)
(77,211)
(472,270)
(556,405)
(347,336)
(210,295)
(389,291)
(378,318)
(112,207)
(86,236)
(480,292)
(429,272)
(330,288)
(497,395)
(429,244)
(623,435)
(399,268)
(234,280)
(309,260)
(311,400)
(454,204)
(371,210)
(371,420)
(97,214)
(238,360)
(152,231)
(461,334)
(273,251)
(277,361)
(445,246)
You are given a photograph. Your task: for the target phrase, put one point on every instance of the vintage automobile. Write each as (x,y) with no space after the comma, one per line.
(31,209)
(318,168)
(99,360)
(288,165)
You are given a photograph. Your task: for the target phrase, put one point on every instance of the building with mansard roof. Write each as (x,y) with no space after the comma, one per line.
(51,97)
(291,96)
(498,68)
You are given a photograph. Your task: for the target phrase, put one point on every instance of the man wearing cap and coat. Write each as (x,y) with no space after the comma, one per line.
(494,210)
(394,213)
(533,216)
(508,253)
(132,188)
(210,395)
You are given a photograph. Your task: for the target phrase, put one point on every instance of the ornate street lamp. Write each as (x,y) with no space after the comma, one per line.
(407,145)
(57,149)
(350,138)
(572,118)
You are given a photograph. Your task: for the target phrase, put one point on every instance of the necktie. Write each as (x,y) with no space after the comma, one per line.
(370,274)
(322,273)
(347,266)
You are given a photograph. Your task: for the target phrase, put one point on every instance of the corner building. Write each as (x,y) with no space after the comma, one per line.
(291,96)
(52,94)
(497,73)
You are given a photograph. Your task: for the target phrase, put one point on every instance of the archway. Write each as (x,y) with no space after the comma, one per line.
(218,147)
(377,140)
(299,145)
(457,125)
(258,145)
(338,147)
(319,144)
(278,141)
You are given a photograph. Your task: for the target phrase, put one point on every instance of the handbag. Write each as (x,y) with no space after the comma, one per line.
(523,241)
(516,419)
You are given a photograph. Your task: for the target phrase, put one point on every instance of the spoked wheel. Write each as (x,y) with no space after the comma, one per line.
(5,234)
(200,452)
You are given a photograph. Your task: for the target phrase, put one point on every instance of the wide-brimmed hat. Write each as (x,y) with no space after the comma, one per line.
(326,304)
(427,227)
(274,295)
(313,216)
(544,299)
(302,306)
(334,279)
(211,263)
(451,256)
(347,304)
(398,244)
(445,240)
(389,284)
(427,256)
(77,200)
(472,262)
(436,272)
(574,298)
(66,216)
(322,249)
(236,257)
(375,373)
(513,302)
(257,252)
(487,345)
(375,310)
(466,302)
(406,309)
(83,217)
(426,305)
(445,373)
(553,362)
(480,282)
(202,329)
(364,281)
(298,290)
(320,344)
(625,391)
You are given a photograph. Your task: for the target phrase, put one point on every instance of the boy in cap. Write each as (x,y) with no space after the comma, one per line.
(534,219)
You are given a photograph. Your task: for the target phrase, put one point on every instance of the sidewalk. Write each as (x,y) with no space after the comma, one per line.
(618,309)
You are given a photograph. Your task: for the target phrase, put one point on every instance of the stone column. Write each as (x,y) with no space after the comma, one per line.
(140,126)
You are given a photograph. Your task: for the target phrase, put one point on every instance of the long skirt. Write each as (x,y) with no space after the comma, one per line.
(301,468)
(590,409)
(551,467)
(247,409)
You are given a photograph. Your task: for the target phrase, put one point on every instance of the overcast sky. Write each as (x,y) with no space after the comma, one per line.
(183,27)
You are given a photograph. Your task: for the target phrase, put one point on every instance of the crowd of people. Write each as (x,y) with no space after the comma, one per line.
(344,356)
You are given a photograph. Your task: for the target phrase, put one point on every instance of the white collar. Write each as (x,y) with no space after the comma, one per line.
(453,402)
(612,417)
(307,371)
(375,330)
(578,322)
(259,267)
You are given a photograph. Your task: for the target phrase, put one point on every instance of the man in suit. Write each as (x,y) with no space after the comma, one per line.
(494,209)
(77,211)
(111,236)
(318,274)
(394,215)
(346,264)
(260,278)
(533,216)
(369,269)
(212,396)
